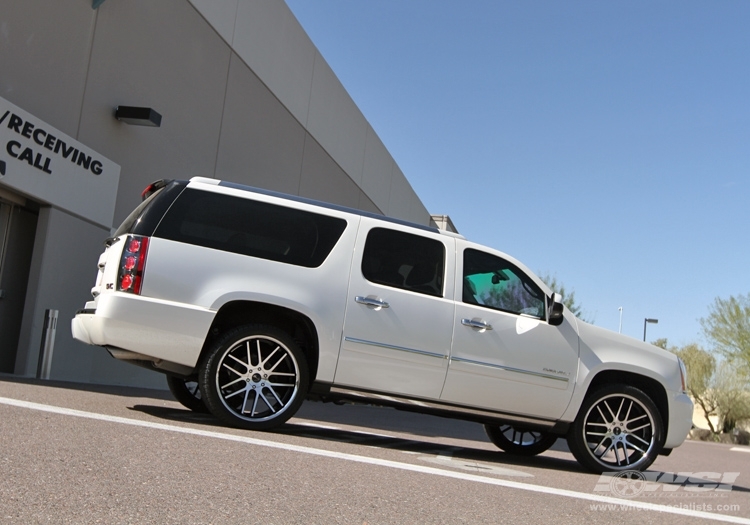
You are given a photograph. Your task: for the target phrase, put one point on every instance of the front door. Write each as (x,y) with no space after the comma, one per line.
(399,313)
(505,355)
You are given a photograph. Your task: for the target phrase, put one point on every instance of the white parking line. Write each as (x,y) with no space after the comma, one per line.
(379,462)
(740,449)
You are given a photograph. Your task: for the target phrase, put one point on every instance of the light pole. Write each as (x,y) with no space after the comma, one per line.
(645,322)
(620,319)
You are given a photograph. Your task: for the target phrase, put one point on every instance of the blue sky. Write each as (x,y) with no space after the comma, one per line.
(605,143)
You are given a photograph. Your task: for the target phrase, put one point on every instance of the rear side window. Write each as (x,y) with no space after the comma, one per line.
(253,228)
(405,261)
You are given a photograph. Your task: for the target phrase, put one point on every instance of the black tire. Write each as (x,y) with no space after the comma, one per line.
(519,441)
(254,377)
(618,428)
(187,392)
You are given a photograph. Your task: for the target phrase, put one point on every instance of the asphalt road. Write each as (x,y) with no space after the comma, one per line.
(84,454)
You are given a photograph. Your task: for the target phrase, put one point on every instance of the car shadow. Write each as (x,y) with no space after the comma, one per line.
(376,439)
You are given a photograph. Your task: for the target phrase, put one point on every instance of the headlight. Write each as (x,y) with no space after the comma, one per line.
(683,375)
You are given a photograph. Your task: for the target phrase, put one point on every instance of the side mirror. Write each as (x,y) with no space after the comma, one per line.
(556,310)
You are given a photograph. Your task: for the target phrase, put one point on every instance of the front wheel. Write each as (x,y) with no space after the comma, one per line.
(254,377)
(617,428)
(518,441)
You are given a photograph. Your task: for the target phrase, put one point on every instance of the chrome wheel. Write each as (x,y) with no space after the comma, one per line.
(619,428)
(187,392)
(519,441)
(255,378)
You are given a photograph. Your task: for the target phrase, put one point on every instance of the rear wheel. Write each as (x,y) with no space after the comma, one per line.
(187,392)
(254,377)
(519,441)
(618,428)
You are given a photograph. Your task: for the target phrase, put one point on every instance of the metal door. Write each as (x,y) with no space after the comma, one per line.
(17,231)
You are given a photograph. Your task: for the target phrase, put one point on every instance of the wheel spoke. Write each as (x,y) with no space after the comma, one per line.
(266,402)
(604,418)
(255,403)
(640,427)
(263,364)
(627,416)
(270,370)
(631,421)
(605,450)
(647,443)
(232,369)
(282,385)
(281,403)
(238,380)
(285,374)
(240,361)
(233,393)
(619,409)
(244,401)
(614,417)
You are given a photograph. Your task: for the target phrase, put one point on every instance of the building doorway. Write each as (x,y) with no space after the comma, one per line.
(18,222)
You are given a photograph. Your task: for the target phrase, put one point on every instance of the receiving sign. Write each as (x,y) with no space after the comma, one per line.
(49,166)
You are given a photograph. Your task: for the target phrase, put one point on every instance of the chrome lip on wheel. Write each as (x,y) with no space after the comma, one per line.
(619,431)
(257,378)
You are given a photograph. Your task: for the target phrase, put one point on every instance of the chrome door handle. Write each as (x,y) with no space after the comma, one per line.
(373,302)
(477,324)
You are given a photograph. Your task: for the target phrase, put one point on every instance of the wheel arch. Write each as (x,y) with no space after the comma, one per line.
(649,386)
(299,326)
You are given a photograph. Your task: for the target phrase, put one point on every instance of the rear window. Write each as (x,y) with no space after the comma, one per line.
(146,216)
(253,228)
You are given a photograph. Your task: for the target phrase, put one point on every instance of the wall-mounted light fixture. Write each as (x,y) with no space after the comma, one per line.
(138,116)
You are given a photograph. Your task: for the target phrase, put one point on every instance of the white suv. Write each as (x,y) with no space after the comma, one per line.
(263,299)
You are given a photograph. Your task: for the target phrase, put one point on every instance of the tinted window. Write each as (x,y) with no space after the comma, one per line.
(249,227)
(495,283)
(144,219)
(405,261)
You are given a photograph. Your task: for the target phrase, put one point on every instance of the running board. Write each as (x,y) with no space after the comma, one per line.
(327,392)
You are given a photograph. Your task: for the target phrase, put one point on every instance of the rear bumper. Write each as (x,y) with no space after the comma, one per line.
(164,330)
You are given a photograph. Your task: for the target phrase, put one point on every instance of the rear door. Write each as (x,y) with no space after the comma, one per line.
(399,312)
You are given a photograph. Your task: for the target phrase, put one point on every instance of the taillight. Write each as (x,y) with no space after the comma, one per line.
(132,264)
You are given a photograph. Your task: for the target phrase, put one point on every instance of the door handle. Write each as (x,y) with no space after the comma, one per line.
(477,324)
(373,302)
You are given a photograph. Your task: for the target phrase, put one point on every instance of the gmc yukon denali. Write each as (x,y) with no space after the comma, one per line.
(251,301)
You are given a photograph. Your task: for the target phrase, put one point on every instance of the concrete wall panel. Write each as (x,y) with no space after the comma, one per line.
(336,122)
(45,44)
(220,14)
(367,205)
(324,180)
(261,142)
(403,202)
(269,39)
(377,171)
(165,56)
